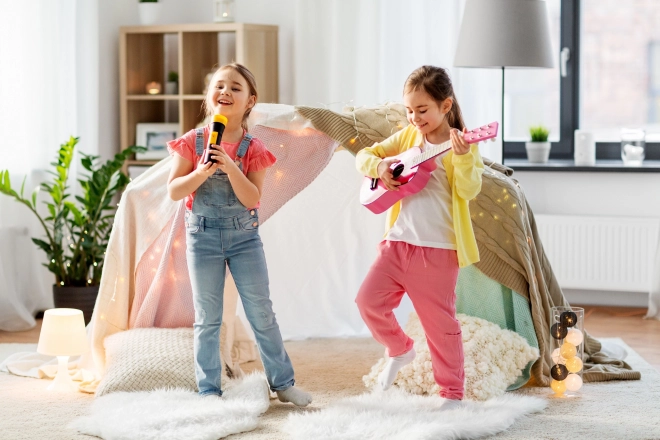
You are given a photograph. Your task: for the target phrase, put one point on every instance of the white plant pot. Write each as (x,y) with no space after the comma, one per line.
(149,13)
(171,88)
(537,152)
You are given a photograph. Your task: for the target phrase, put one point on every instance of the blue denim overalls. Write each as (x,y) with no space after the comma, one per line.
(221,231)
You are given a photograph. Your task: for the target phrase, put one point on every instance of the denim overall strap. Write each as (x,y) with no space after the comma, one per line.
(245,143)
(199,141)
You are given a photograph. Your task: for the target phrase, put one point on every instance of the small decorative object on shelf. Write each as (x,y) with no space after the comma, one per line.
(172,84)
(584,151)
(223,11)
(633,146)
(567,330)
(538,150)
(149,11)
(153,88)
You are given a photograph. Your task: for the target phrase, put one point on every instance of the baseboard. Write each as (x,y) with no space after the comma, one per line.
(606,298)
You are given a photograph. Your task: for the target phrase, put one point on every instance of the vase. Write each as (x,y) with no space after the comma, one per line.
(76,297)
(149,12)
(537,152)
(567,332)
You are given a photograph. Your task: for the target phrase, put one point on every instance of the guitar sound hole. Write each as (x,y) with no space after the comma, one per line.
(396,172)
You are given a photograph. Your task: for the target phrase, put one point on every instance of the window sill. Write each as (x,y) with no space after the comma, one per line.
(607,166)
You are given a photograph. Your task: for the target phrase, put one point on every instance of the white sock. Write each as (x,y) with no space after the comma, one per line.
(294,395)
(387,376)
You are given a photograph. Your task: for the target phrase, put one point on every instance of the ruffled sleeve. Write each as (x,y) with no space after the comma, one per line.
(260,157)
(183,146)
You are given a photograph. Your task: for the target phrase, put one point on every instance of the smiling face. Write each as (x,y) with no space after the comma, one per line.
(230,95)
(424,112)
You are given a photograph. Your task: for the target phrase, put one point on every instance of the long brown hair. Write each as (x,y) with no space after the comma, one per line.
(435,81)
(252,85)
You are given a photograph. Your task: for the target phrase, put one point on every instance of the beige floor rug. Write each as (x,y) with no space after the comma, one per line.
(332,369)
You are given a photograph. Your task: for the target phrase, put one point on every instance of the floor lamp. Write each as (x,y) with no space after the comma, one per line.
(504,33)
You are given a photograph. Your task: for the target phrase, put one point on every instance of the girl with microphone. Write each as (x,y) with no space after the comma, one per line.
(222,190)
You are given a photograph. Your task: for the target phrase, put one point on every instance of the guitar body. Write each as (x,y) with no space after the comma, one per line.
(412,181)
(413,171)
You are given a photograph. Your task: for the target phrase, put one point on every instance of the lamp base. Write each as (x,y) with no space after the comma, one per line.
(62,382)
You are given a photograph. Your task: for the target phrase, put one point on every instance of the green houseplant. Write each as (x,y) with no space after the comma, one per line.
(172,84)
(76,234)
(538,149)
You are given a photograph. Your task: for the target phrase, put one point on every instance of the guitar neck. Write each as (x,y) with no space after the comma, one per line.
(429,154)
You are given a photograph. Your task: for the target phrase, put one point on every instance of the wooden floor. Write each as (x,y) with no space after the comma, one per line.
(643,335)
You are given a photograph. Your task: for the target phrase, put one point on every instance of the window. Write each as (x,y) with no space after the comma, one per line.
(612,79)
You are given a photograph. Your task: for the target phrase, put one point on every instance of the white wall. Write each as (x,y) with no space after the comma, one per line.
(594,194)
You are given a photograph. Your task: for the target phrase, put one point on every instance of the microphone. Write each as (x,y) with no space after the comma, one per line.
(218,127)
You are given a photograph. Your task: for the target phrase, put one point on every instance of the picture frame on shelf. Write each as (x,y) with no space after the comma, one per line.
(154,137)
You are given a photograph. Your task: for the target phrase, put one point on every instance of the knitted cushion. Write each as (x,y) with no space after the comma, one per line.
(494,358)
(145,359)
(356,128)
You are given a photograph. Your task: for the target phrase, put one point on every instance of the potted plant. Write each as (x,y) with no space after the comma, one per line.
(76,234)
(171,86)
(538,150)
(149,11)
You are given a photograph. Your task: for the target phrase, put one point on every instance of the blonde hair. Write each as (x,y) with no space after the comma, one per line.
(207,105)
(436,83)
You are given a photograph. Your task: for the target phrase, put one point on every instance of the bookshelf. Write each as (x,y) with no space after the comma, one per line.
(148,53)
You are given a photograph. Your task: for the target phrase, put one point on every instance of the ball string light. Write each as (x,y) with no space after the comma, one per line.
(567,362)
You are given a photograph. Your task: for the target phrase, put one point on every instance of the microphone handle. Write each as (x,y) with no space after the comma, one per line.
(214,139)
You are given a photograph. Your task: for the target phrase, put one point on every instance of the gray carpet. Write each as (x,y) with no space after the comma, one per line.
(333,368)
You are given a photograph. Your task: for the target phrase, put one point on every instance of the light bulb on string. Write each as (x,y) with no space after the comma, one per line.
(567,350)
(568,319)
(556,357)
(558,386)
(574,364)
(573,382)
(558,331)
(558,372)
(574,336)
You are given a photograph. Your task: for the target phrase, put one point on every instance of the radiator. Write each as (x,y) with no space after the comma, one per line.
(601,253)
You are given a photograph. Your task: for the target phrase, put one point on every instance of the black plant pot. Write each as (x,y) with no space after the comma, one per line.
(74,297)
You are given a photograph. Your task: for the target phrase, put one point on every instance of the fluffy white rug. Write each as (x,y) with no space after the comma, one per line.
(397,415)
(177,414)
(494,359)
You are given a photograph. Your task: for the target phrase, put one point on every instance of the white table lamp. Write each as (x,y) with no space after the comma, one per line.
(504,33)
(62,335)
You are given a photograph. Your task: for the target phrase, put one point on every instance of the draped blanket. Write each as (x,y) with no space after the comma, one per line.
(509,245)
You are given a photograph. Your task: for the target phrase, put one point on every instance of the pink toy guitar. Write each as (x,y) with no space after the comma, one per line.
(414,171)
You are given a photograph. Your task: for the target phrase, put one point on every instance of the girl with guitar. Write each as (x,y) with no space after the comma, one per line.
(429,232)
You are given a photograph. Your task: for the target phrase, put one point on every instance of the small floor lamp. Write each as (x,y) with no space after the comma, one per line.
(504,33)
(62,335)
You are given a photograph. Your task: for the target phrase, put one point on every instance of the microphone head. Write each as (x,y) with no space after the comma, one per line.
(220,118)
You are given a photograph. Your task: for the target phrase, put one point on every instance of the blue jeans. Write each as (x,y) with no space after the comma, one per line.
(213,244)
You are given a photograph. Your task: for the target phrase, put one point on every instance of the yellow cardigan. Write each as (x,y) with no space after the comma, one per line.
(464,175)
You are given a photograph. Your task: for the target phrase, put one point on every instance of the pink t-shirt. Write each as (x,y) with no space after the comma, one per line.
(257,157)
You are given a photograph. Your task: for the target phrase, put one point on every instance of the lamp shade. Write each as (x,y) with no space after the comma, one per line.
(504,33)
(62,333)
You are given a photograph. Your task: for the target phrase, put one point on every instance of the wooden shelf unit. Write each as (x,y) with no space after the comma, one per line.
(148,53)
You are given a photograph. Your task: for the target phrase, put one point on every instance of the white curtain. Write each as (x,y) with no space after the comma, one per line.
(360,52)
(45,81)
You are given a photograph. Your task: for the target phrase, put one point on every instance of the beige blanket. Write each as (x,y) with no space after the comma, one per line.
(510,249)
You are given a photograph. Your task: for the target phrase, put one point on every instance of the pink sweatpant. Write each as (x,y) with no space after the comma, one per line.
(429,276)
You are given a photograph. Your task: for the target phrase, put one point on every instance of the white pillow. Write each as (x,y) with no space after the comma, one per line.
(494,359)
(146,359)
